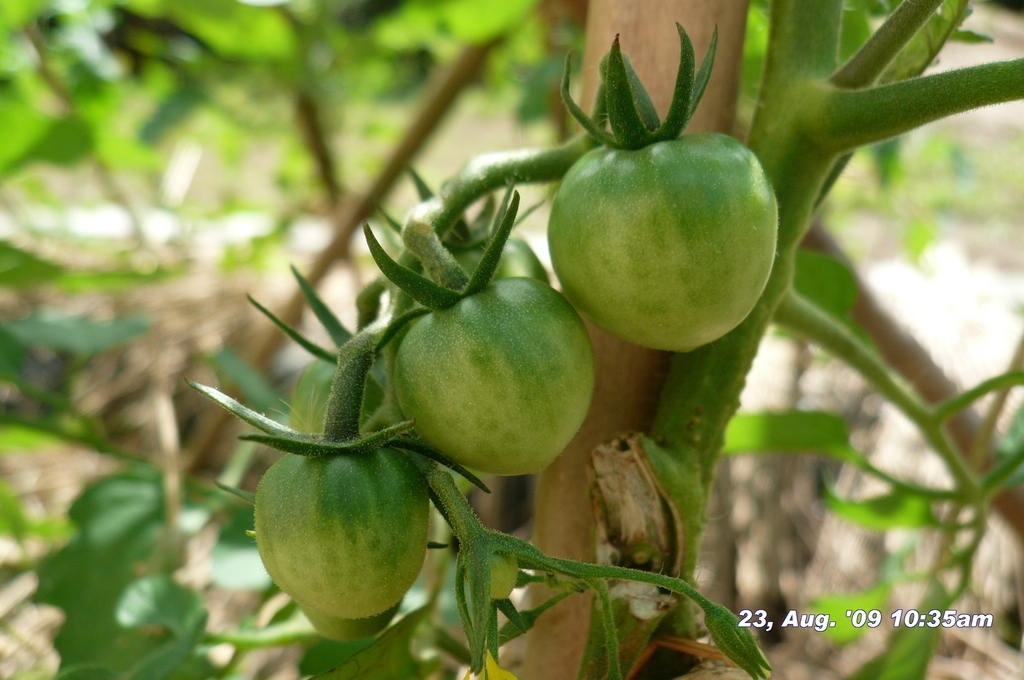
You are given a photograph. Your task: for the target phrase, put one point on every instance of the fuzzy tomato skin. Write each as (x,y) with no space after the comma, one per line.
(669,246)
(345,535)
(502,380)
(344,630)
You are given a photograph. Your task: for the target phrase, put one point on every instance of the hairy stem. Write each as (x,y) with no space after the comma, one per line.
(871,60)
(850,119)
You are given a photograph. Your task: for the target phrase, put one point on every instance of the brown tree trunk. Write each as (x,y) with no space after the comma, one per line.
(629,378)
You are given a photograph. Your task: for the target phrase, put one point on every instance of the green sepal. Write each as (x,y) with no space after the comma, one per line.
(428,451)
(682,104)
(395,225)
(306,344)
(246,496)
(512,614)
(641,99)
(587,123)
(473,562)
(423,190)
(397,324)
(703,75)
(419,288)
(324,315)
(257,420)
(626,123)
(484,271)
(314,446)
(368,302)
(511,630)
(735,642)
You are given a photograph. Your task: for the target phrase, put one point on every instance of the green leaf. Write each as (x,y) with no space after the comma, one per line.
(812,432)
(825,281)
(836,607)
(159,601)
(909,650)
(16,13)
(970,37)
(916,239)
(484,271)
(889,511)
(119,520)
(12,353)
(67,141)
(234,370)
(86,672)
(234,560)
(20,439)
(55,330)
(13,521)
(21,269)
(174,109)
(328,654)
(234,30)
(422,23)
(390,657)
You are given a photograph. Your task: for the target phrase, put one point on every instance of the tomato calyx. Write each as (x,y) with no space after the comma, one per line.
(624,102)
(435,296)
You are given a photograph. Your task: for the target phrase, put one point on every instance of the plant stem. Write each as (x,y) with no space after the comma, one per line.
(983,440)
(345,405)
(801,317)
(804,39)
(850,119)
(1002,383)
(871,60)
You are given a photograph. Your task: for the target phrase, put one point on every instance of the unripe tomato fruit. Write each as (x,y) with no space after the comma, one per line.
(345,535)
(668,246)
(504,574)
(343,630)
(502,380)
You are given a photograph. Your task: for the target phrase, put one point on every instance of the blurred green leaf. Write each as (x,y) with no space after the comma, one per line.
(12,353)
(916,239)
(86,672)
(234,30)
(909,649)
(20,268)
(234,561)
(119,520)
(899,509)
(836,607)
(18,439)
(825,281)
(812,432)
(328,654)
(174,109)
(255,388)
(77,334)
(13,521)
(970,37)
(856,27)
(16,13)
(887,161)
(159,601)
(66,141)
(420,23)
(536,100)
(390,657)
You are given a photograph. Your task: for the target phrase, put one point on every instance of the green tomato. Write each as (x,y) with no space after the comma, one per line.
(504,574)
(517,259)
(669,246)
(343,630)
(502,380)
(345,535)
